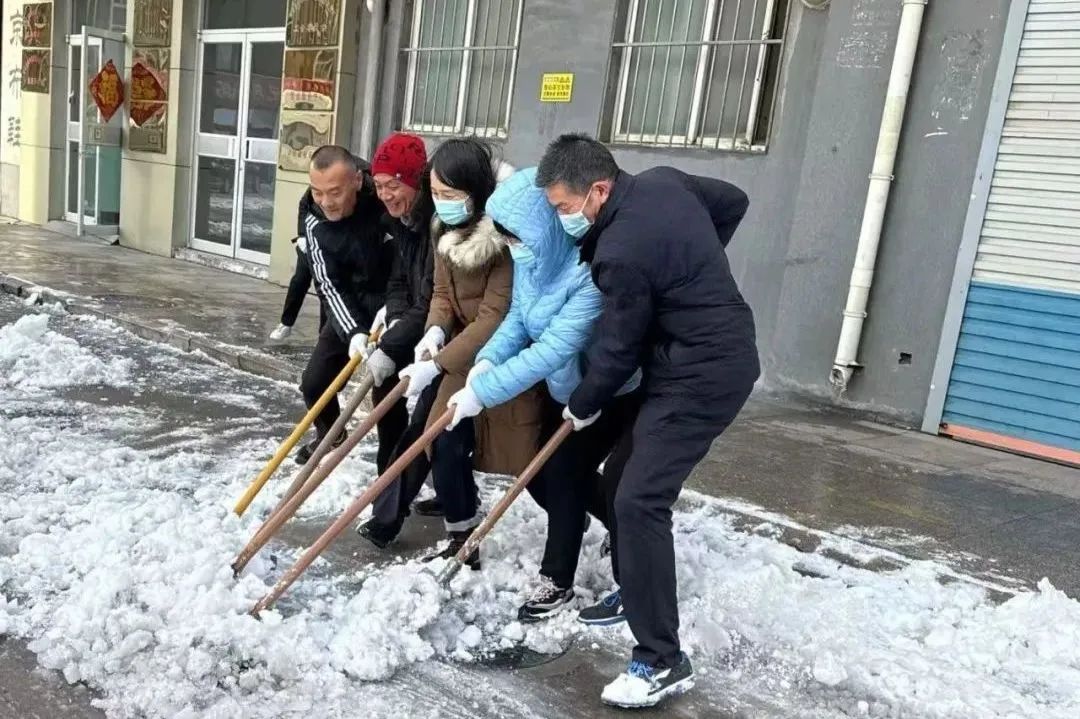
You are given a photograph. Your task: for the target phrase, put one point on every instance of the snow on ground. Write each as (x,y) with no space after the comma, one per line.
(114,565)
(31,355)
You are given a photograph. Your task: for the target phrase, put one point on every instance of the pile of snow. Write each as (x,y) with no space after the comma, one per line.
(33,356)
(114,565)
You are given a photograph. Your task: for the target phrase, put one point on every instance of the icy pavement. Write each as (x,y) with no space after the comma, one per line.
(120,461)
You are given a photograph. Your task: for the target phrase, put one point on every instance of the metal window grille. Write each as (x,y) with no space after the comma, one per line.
(695,73)
(462,59)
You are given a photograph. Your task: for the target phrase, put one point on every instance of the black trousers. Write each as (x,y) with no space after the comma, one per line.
(642,480)
(568,486)
(392,506)
(452,474)
(329,357)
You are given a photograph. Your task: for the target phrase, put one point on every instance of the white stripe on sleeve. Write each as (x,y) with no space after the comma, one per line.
(330,292)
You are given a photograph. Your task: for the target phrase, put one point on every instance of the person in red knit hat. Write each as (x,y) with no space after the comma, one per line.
(397,168)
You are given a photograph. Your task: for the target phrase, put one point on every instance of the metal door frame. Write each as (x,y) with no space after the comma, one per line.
(88,37)
(976,214)
(239,150)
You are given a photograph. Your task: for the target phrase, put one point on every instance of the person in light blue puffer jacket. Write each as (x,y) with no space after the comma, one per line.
(543,338)
(554,305)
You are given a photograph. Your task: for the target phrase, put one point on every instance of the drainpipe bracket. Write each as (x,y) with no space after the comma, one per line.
(877,176)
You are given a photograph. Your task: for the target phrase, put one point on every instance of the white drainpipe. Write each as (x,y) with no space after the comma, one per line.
(376,13)
(877,197)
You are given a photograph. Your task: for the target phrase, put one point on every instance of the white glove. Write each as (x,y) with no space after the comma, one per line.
(301,243)
(478,369)
(381,367)
(579,424)
(429,346)
(380,321)
(466,404)
(358,344)
(280,332)
(420,374)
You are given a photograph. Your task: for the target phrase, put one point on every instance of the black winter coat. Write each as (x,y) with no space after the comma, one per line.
(408,291)
(350,260)
(671,306)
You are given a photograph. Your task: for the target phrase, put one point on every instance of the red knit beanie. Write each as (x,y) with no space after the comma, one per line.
(402,156)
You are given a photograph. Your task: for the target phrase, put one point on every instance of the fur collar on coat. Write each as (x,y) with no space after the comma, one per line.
(473,248)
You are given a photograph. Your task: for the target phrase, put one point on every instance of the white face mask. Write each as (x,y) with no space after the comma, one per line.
(522,255)
(577,224)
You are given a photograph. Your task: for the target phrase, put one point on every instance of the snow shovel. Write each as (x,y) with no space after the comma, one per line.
(288,505)
(292,439)
(473,542)
(349,515)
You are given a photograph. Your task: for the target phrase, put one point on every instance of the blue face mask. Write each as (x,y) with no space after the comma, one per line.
(577,224)
(453,212)
(522,255)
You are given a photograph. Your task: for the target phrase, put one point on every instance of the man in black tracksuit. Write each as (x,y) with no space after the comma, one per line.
(345,247)
(655,243)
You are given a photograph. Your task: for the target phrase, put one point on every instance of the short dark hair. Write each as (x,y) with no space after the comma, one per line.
(577,161)
(329,155)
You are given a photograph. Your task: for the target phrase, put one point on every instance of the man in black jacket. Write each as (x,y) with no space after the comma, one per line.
(655,243)
(343,243)
(397,167)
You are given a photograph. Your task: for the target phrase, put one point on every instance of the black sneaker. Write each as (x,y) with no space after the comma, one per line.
(378,533)
(604,613)
(428,508)
(457,541)
(305,452)
(643,685)
(547,600)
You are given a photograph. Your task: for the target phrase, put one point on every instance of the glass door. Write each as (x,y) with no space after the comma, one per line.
(92,144)
(237,143)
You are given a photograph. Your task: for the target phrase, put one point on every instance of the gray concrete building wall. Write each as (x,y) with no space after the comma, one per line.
(794,252)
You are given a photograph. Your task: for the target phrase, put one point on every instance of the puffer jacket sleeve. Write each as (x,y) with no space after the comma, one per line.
(565,337)
(726,203)
(511,336)
(459,353)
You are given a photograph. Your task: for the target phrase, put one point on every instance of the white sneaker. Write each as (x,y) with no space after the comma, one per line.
(280,332)
(645,686)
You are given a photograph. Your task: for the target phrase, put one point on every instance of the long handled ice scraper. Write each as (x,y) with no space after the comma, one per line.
(359,505)
(290,441)
(326,444)
(512,493)
(313,475)
(283,451)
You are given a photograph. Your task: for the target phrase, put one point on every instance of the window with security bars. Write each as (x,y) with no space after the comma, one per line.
(462,57)
(694,73)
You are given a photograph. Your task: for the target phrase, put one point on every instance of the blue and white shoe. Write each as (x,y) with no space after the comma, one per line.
(643,685)
(606,612)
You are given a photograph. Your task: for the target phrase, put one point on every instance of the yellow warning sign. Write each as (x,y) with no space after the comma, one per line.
(556,86)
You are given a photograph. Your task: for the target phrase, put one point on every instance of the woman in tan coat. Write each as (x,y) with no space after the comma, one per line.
(472,290)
